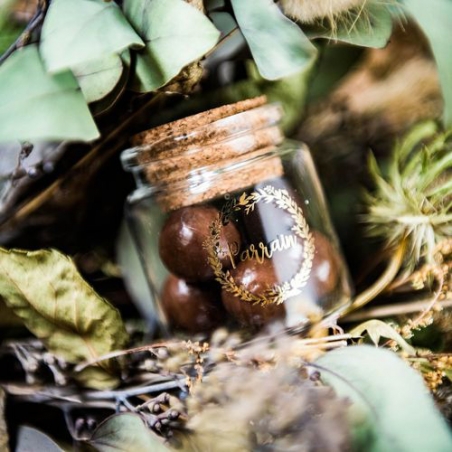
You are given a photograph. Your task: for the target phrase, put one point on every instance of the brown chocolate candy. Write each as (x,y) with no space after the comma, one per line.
(325,265)
(181,242)
(255,278)
(190,307)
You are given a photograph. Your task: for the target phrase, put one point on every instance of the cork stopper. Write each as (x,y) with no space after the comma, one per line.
(186,125)
(209,154)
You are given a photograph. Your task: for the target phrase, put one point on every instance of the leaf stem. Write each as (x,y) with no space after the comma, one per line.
(25,36)
(382,282)
(177,382)
(393,310)
(221,41)
(117,353)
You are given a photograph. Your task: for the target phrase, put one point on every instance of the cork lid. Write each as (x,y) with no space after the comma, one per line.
(204,147)
(186,125)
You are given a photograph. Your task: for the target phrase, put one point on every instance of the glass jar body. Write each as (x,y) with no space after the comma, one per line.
(252,254)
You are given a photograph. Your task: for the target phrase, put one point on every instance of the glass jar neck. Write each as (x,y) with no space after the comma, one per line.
(201,146)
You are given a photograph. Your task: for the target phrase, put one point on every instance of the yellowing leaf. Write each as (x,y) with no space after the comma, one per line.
(46,291)
(377,329)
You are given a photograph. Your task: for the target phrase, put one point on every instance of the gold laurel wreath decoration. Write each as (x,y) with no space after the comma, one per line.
(278,293)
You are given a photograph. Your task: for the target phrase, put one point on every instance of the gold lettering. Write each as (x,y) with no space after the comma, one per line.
(281,243)
(232,251)
(265,252)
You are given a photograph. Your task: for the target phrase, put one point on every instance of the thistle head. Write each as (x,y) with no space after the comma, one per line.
(412,203)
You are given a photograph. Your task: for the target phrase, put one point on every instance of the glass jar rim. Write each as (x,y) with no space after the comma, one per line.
(201,178)
(191,144)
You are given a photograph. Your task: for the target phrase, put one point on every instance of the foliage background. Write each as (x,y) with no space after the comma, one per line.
(79,77)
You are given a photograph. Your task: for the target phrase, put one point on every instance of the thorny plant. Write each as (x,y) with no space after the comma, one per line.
(414,202)
(411,211)
(411,207)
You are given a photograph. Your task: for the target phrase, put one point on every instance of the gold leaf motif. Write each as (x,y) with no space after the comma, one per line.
(278,293)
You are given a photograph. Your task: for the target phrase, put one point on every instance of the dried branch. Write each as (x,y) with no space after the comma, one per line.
(25,36)
(90,163)
(385,279)
(393,310)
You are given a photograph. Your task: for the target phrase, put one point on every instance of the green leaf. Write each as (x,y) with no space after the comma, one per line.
(377,329)
(78,31)
(176,34)
(124,433)
(278,46)
(29,438)
(46,291)
(435,19)
(106,103)
(397,412)
(372,28)
(98,78)
(37,106)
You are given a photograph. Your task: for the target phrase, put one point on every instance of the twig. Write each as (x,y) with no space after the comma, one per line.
(428,308)
(161,399)
(221,41)
(385,279)
(25,36)
(90,162)
(117,354)
(42,393)
(393,310)
(136,391)
(321,340)
(324,346)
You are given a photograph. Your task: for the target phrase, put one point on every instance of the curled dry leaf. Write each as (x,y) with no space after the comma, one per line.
(46,291)
(377,329)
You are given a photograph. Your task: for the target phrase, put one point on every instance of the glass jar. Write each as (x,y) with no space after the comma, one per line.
(231,224)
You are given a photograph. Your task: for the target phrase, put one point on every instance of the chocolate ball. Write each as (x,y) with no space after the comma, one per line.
(190,307)
(255,278)
(325,265)
(181,242)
